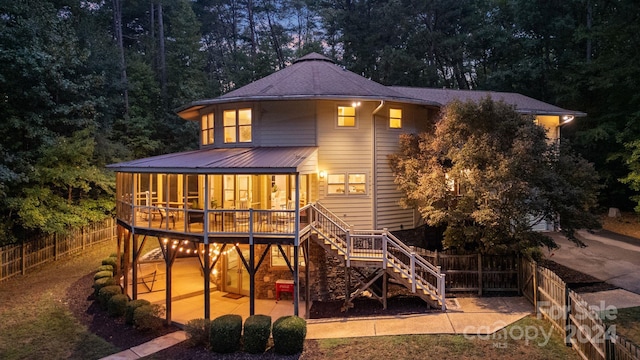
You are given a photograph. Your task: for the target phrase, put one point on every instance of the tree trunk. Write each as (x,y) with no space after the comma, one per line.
(117,24)
(162,55)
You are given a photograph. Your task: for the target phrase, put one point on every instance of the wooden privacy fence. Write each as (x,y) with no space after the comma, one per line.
(17,259)
(581,326)
(475,272)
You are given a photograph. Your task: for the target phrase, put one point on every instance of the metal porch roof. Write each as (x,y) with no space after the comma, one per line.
(260,160)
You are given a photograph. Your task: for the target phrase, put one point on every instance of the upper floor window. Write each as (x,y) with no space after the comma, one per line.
(350,184)
(237,126)
(207,129)
(346,116)
(395,118)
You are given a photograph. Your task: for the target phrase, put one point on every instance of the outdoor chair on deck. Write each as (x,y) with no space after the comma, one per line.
(166,215)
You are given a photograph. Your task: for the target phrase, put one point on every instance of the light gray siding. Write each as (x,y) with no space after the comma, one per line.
(389,212)
(344,151)
(285,123)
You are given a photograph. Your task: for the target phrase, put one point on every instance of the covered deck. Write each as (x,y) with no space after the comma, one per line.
(248,204)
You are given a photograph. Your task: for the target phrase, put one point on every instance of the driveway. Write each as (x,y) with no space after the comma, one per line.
(608,256)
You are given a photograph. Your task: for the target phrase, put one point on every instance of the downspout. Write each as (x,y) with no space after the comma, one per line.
(375,165)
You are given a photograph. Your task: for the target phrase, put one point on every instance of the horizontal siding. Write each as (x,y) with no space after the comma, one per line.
(286,123)
(346,150)
(390,214)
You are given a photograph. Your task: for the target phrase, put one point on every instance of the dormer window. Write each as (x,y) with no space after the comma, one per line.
(237,126)
(346,116)
(207,129)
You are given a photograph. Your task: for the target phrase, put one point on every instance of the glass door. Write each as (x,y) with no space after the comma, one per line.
(236,276)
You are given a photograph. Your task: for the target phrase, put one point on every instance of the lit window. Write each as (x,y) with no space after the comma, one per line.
(395,118)
(335,183)
(237,126)
(277,260)
(351,184)
(357,184)
(207,129)
(346,116)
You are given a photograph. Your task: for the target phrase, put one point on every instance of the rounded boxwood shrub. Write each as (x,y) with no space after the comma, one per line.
(226,331)
(148,317)
(131,308)
(102,274)
(117,305)
(257,329)
(102,282)
(105,268)
(289,333)
(110,261)
(106,293)
(198,332)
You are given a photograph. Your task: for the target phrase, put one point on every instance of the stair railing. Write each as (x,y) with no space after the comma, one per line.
(378,245)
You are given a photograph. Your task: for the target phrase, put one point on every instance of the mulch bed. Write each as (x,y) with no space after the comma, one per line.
(576,280)
(79,299)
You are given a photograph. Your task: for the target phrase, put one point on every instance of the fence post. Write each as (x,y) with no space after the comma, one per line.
(534,265)
(479,274)
(567,316)
(413,272)
(609,346)
(83,239)
(55,246)
(23,254)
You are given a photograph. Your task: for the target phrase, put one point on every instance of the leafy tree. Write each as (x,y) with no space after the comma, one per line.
(489,174)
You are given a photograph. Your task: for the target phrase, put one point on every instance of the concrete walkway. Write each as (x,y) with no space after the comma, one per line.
(471,316)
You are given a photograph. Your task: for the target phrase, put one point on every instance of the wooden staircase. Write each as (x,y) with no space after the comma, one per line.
(377,252)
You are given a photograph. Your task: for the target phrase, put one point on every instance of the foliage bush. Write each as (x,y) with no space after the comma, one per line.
(257,329)
(225,333)
(110,261)
(102,274)
(106,293)
(102,282)
(131,308)
(148,317)
(105,268)
(289,333)
(117,305)
(198,332)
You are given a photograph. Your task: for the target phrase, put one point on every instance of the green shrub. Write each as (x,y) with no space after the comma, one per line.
(110,261)
(106,293)
(288,334)
(198,332)
(257,329)
(131,308)
(105,268)
(102,274)
(225,334)
(113,255)
(148,317)
(117,305)
(102,282)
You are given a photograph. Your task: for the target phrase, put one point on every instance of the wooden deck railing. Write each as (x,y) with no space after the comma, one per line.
(378,246)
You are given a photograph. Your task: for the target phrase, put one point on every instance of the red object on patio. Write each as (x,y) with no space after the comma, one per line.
(283,286)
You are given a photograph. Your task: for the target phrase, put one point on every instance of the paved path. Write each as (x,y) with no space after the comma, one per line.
(608,256)
(470,316)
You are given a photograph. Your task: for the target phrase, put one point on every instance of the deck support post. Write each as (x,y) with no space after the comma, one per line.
(134,267)
(385,279)
(307,296)
(207,282)
(252,267)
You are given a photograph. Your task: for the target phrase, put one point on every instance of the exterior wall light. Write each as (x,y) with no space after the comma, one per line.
(323,174)
(567,118)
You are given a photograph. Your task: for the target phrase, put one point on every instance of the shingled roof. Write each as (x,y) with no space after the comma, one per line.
(523,104)
(315,76)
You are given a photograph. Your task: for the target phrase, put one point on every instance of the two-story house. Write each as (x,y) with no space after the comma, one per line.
(300,154)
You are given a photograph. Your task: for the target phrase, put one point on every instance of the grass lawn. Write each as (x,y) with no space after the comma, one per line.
(451,346)
(34,320)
